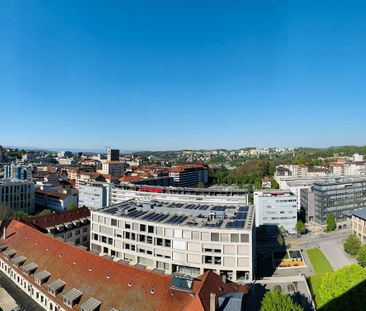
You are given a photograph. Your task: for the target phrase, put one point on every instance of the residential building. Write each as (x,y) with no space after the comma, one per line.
(189,238)
(114,168)
(70,226)
(339,196)
(94,195)
(359,224)
(112,154)
(276,207)
(62,277)
(16,195)
(189,175)
(57,200)
(18,171)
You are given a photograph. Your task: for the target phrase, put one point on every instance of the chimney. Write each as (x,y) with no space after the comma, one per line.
(213,302)
(4,233)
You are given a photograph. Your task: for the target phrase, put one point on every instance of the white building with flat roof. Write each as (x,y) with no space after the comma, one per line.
(184,237)
(276,207)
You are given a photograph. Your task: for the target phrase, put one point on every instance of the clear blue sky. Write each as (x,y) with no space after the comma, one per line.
(182,74)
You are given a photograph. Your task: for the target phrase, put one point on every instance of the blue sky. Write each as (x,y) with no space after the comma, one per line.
(182,74)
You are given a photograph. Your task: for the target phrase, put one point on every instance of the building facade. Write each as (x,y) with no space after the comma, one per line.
(359,224)
(276,207)
(58,200)
(112,154)
(70,226)
(16,195)
(114,168)
(188,238)
(339,197)
(94,195)
(189,175)
(17,172)
(307,203)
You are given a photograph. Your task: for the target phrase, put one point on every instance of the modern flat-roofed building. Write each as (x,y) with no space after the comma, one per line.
(307,203)
(94,195)
(62,277)
(18,171)
(177,194)
(189,238)
(17,195)
(276,207)
(189,175)
(339,196)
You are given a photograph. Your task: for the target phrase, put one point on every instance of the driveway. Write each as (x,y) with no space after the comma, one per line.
(335,254)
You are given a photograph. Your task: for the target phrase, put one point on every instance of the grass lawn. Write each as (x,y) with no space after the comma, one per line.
(321,265)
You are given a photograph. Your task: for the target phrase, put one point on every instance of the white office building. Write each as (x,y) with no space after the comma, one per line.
(276,207)
(168,237)
(94,195)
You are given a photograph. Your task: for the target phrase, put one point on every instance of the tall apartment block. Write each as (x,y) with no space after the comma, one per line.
(17,171)
(189,238)
(276,207)
(339,197)
(112,154)
(189,175)
(16,195)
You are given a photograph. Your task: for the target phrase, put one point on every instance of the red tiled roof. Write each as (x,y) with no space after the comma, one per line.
(183,168)
(106,280)
(43,222)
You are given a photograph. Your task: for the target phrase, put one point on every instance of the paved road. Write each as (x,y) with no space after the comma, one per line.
(19,296)
(331,244)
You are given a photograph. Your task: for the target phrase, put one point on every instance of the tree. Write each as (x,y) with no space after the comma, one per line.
(300,227)
(352,245)
(278,301)
(20,215)
(348,284)
(72,206)
(361,256)
(331,224)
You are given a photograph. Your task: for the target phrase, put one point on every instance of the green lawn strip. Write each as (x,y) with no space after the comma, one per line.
(321,265)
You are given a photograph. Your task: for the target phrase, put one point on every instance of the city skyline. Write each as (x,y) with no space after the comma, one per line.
(182,76)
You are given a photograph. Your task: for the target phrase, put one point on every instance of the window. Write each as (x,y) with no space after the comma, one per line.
(77,241)
(150,229)
(234,237)
(127,226)
(85,229)
(77,232)
(215,237)
(104,239)
(159,242)
(110,241)
(149,240)
(114,222)
(167,243)
(68,234)
(142,227)
(142,238)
